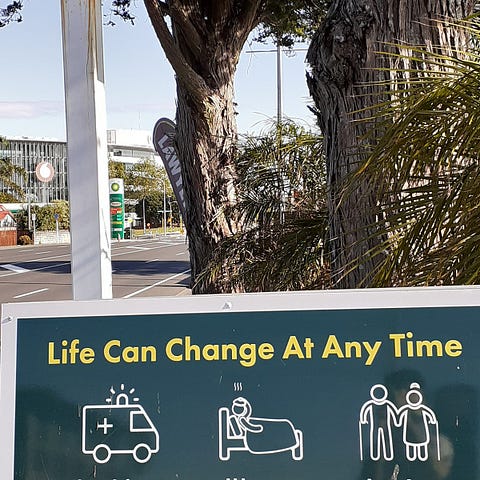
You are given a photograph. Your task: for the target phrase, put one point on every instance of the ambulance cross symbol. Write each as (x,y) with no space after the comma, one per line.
(118,427)
(105,425)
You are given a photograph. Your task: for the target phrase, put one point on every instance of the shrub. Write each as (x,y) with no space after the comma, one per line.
(25,240)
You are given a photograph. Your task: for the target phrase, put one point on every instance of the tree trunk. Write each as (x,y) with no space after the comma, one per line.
(206,143)
(344,64)
(203,46)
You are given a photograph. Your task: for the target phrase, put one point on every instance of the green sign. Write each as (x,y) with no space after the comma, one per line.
(117,209)
(247,387)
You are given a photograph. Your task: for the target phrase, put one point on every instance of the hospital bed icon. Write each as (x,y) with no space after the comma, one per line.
(239,431)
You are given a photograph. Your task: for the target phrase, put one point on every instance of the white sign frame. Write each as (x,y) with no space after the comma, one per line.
(457,296)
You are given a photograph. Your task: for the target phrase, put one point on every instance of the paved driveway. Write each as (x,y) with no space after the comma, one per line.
(141,268)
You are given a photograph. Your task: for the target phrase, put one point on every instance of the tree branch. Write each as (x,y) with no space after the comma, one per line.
(11,13)
(220,10)
(164,7)
(190,80)
(195,42)
(248,19)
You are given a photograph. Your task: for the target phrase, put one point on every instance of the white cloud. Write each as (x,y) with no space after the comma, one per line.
(30,109)
(141,107)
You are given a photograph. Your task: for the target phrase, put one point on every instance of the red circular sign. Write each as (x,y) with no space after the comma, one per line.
(44,171)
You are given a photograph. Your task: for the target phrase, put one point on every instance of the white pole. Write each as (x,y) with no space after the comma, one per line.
(164,210)
(279,84)
(29,209)
(144,219)
(279,121)
(87,149)
(34,218)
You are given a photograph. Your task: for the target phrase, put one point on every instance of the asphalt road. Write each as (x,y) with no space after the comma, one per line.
(141,268)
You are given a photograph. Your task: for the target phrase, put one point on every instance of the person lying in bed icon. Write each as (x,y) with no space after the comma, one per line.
(238,430)
(241,421)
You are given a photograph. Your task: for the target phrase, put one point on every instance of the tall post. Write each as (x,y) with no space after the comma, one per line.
(279,83)
(164,210)
(144,216)
(29,209)
(34,220)
(279,126)
(87,149)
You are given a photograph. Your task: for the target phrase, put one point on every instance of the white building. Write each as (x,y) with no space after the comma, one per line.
(125,146)
(131,146)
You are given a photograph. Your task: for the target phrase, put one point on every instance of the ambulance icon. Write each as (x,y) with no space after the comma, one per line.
(119,428)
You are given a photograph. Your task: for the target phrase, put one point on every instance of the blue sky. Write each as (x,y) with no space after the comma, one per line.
(139,81)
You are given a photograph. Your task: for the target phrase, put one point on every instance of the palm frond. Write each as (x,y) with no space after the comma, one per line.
(281,202)
(288,256)
(425,162)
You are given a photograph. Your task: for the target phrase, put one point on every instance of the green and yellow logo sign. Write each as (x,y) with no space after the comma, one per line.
(117,208)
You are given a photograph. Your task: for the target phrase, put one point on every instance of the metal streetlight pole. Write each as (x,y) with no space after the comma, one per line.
(279,84)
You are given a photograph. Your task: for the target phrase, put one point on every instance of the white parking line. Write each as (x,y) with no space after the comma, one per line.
(48,267)
(129,252)
(13,268)
(165,280)
(52,257)
(30,293)
(153,260)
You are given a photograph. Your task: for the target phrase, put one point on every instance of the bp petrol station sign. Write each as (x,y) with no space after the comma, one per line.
(337,385)
(117,208)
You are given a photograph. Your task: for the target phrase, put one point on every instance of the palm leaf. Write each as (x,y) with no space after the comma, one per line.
(425,163)
(281,202)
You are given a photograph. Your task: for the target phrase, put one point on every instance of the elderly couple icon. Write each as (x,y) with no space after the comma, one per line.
(418,424)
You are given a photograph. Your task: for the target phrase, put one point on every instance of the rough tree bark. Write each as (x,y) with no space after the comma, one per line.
(203,45)
(344,64)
